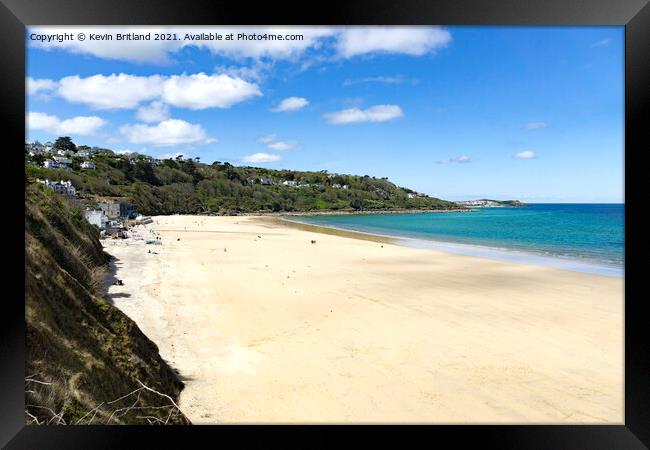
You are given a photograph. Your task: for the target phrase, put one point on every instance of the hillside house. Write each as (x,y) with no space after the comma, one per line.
(62,160)
(266,181)
(60,187)
(49,164)
(96,217)
(88,165)
(110,209)
(290,183)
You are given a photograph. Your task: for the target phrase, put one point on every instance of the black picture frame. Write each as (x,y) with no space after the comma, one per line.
(633,14)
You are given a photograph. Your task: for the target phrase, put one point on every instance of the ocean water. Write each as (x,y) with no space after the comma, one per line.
(581,237)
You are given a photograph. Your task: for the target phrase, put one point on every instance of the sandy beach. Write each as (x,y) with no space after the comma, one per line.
(266,327)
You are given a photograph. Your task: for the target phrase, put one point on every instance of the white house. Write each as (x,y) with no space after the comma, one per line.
(49,164)
(88,165)
(290,183)
(303,184)
(336,186)
(96,217)
(62,160)
(266,181)
(60,187)
(62,152)
(35,147)
(83,154)
(411,195)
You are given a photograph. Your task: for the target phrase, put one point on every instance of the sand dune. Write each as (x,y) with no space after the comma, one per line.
(266,327)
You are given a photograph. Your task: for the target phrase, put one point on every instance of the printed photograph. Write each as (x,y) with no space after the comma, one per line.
(324,225)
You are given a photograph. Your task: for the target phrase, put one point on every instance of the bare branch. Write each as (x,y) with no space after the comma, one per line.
(37,381)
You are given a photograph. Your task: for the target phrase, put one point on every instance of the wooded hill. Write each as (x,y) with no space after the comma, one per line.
(187,186)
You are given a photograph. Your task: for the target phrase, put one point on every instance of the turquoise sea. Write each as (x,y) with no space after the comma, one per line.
(582,237)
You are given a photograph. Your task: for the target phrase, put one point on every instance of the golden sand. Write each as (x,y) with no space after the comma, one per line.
(265,326)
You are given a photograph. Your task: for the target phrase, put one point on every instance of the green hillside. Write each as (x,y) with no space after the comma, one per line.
(188,186)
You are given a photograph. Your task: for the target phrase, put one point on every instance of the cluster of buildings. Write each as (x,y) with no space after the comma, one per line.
(291,183)
(480,203)
(60,187)
(58,158)
(111,216)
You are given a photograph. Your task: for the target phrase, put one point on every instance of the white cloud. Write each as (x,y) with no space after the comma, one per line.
(406,40)
(260,158)
(266,139)
(378,113)
(123,91)
(398,79)
(600,43)
(43,85)
(283,145)
(536,125)
(76,126)
(154,112)
(167,133)
(291,104)
(527,154)
(461,159)
(112,91)
(201,91)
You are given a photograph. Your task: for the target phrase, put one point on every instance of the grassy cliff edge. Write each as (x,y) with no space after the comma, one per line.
(87,362)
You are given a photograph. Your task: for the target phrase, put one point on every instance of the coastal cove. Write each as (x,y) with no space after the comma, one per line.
(311,326)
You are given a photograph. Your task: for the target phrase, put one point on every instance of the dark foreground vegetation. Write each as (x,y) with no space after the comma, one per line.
(87,362)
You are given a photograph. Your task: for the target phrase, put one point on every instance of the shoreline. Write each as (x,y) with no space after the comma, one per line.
(333,212)
(477,250)
(264,326)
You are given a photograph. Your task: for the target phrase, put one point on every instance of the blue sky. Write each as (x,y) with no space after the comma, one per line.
(533,113)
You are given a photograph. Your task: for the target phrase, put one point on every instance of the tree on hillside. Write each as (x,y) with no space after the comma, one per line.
(65,143)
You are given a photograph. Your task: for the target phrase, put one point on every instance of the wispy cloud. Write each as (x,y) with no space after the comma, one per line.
(536,125)
(378,113)
(526,154)
(461,159)
(283,145)
(398,79)
(291,104)
(266,139)
(600,43)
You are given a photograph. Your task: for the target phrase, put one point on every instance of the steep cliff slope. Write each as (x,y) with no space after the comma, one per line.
(86,361)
